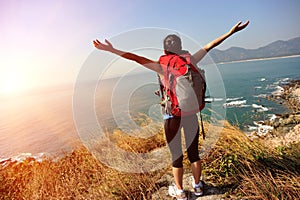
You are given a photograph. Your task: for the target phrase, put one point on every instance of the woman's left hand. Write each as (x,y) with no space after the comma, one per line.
(238,27)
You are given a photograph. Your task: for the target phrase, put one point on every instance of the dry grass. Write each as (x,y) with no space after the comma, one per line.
(247,169)
(77,175)
(251,170)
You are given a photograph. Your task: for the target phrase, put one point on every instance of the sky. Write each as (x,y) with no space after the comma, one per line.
(45,43)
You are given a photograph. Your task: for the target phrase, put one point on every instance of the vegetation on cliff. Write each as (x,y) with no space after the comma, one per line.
(238,166)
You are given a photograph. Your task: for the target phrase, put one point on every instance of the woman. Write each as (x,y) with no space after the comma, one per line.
(173,124)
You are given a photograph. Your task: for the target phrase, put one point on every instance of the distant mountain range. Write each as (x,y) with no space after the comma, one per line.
(275,49)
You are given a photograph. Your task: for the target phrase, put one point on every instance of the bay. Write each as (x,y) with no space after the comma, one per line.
(43,122)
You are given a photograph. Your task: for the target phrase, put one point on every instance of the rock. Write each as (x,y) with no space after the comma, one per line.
(286,128)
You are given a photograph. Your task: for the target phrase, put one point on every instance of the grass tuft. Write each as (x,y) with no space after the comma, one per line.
(246,169)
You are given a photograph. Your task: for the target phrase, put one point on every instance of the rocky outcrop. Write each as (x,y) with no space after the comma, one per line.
(283,129)
(291,95)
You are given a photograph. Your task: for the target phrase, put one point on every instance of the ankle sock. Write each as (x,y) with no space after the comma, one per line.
(198,185)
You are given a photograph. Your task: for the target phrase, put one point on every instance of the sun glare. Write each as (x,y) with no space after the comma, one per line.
(10,83)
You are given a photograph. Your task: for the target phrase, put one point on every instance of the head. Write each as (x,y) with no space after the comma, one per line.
(172,44)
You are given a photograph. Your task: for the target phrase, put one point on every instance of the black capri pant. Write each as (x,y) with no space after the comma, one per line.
(190,126)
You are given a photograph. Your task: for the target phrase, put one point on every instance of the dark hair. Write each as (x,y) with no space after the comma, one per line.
(172,44)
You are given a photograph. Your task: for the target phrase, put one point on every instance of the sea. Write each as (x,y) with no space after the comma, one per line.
(51,121)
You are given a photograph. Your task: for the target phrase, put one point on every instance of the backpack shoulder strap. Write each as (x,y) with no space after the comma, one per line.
(202,126)
(166,62)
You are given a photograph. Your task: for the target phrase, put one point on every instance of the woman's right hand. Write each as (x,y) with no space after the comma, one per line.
(101,46)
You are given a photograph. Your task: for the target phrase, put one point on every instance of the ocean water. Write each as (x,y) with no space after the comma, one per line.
(43,122)
(247,86)
(249,83)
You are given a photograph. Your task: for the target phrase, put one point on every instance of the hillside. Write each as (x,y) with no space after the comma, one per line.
(275,49)
(236,168)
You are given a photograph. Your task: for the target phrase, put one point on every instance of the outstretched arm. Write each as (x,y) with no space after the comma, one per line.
(202,52)
(150,64)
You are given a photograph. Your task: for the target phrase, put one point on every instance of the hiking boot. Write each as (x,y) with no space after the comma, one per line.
(178,194)
(198,188)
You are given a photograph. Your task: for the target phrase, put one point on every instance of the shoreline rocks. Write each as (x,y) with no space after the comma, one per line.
(291,95)
(282,129)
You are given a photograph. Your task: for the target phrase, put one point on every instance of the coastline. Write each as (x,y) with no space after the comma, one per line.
(258,59)
(234,160)
(292,95)
(282,129)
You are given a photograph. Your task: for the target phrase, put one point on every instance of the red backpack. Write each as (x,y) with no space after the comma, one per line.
(184,85)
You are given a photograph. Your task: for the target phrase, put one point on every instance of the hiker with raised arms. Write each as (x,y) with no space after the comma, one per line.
(176,118)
